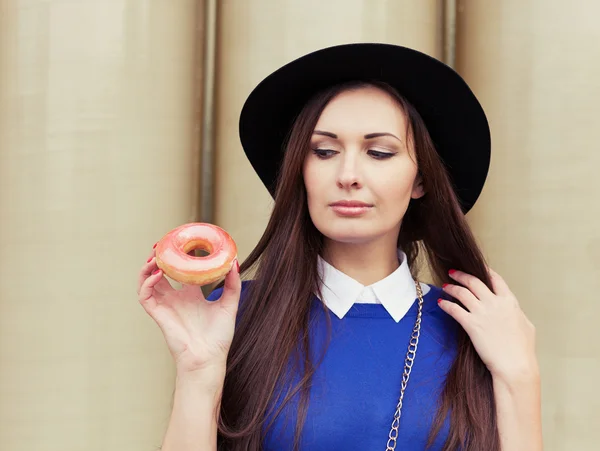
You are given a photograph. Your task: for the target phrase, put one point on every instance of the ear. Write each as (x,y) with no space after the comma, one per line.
(418,190)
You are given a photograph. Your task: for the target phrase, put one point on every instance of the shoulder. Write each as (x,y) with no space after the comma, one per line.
(216,293)
(442,322)
(431,294)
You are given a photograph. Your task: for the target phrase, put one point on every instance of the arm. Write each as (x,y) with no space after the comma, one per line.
(193,422)
(505,340)
(518,407)
(198,334)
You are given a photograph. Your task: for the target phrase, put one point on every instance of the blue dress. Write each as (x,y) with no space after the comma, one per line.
(356,388)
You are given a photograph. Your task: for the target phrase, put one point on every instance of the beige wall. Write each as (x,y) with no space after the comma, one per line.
(536,69)
(99,145)
(97,157)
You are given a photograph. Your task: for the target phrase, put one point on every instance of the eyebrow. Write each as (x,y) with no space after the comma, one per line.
(367,136)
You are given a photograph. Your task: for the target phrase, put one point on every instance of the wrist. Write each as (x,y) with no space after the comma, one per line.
(210,378)
(517,377)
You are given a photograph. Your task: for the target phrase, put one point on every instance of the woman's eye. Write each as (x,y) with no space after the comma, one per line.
(380,155)
(324,153)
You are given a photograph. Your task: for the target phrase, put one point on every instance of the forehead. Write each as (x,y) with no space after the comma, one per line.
(362,111)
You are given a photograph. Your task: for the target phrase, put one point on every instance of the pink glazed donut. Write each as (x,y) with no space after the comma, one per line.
(172,253)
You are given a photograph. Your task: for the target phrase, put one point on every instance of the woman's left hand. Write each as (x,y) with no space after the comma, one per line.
(501,333)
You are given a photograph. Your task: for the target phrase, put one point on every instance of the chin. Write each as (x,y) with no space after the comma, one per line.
(351,239)
(349,235)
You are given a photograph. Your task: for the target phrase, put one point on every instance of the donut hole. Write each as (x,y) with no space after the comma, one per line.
(198,248)
(200,252)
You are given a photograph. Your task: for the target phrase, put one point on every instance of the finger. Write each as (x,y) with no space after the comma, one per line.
(232,288)
(152,253)
(163,286)
(475,285)
(455,311)
(499,286)
(145,271)
(462,294)
(146,296)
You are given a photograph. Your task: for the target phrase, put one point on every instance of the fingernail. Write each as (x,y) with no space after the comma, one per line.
(445,285)
(148,261)
(237,265)
(440,301)
(155,272)
(154,247)
(452,271)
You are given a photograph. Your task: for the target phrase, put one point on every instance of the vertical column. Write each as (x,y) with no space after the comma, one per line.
(256,38)
(536,70)
(97,160)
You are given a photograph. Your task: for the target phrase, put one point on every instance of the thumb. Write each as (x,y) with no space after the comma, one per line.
(232,288)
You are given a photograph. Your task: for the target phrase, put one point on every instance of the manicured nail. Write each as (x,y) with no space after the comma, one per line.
(237,266)
(155,272)
(440,301)
(445,285)
(148,261)
(154,247)
(452,271)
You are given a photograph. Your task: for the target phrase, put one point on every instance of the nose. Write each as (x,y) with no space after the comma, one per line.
(348,176)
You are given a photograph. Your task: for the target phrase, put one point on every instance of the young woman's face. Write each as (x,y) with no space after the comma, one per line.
(360,172)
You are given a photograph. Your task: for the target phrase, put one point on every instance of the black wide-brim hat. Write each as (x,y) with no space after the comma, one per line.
(452,114)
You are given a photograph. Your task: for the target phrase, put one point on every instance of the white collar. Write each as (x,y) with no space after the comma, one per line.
(396,292)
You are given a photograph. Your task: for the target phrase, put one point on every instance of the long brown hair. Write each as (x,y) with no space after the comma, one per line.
(273,327)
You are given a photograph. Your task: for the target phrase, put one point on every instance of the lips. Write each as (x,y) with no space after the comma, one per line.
(350,204)
(352,208)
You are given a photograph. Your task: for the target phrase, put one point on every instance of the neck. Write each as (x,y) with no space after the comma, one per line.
(366,263)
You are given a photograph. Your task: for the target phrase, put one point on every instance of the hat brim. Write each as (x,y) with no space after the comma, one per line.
(451,112)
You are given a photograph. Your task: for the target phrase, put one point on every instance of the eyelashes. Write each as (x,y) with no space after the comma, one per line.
(325,154)
(378,155)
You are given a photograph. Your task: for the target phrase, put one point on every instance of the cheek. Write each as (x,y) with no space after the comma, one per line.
(392,193)
(391,188)
(311,181)
(307,176)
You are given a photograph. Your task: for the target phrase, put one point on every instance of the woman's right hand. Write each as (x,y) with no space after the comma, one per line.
(198,332)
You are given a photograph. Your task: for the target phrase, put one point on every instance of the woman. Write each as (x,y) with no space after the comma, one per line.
(372,152)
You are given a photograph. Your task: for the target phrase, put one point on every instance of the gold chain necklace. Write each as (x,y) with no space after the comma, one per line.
(408,363)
